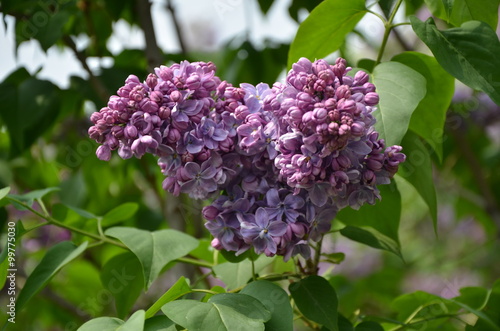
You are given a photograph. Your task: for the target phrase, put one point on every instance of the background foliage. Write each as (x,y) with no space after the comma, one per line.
(101,239)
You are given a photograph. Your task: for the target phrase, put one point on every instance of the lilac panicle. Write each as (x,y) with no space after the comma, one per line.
(279,162)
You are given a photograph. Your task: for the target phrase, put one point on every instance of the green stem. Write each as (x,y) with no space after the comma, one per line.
(36,227)
(388,27)
(101,238)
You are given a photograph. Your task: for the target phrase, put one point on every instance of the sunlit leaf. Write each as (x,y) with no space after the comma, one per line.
(400,89)
(429,117)
(200,316)
(119,214)
(134,323)
(154,249)
(325,29)
(180,288)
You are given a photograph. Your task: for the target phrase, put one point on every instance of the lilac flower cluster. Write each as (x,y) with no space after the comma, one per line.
(279,162)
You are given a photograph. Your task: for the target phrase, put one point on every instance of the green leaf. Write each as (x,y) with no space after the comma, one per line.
(243,304)
(237,274)
(56,257)
(474,297)
(408,305)
(180,288)
(154,249)
(201,316)
(122,276)
(369,326)
(469,10)
(335,258)
(440,8)
(81,212)
(30,197)
(316,300)
(384,216)
(400,89)
(159,323)
(102,324)
(120,213)
(371,238)
(429,117)
(417,170)
(275,299)
(490,311)
(325,29)
(52,31)
(27,118)
(134,323)
(4,192)
(469,53)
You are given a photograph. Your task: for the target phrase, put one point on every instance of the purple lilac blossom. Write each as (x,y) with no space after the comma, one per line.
(279,162)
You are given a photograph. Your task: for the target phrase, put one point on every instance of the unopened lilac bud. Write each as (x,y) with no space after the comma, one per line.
(360,78)
(295,114)
(371,98)
(132,79)
(151,81)
(373,164)
(187,157)
(210,212)
(226,145)
(173,136)
(164,112)
(176,96)
(164,72)
(103,153)
(319,114)
(193,82)
(157,97)
(369,87)
(358,129)
(203,155)
(117,131)
(125,152)
(241,112)
(94,133)
(319,66)
(347,105)
(303,64)
(130,132)
(343,92)
(216,244)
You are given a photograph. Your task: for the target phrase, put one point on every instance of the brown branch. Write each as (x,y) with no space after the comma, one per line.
(177,26)
(97,84)
(153,53)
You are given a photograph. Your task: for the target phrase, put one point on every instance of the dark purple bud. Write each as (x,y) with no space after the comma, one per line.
(151,81)
(210,212)
(164,112)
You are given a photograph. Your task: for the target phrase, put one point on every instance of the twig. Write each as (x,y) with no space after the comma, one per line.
(177,26)
(153,53)
(98,86)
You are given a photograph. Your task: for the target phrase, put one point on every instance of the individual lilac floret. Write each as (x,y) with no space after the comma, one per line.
(261,231)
